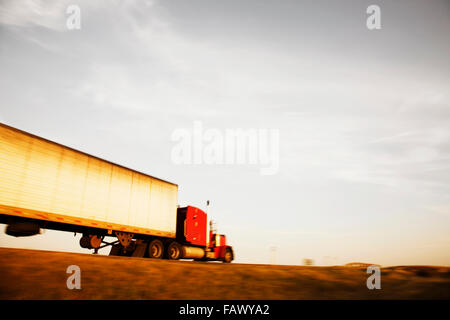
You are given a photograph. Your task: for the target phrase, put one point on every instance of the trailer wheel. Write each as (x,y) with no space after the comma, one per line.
(228,256)
(155,249)
(174,251)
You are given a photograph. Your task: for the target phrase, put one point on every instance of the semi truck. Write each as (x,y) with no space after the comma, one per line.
(46,185)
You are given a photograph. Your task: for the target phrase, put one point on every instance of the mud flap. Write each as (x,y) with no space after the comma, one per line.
(115,250)
(140,250)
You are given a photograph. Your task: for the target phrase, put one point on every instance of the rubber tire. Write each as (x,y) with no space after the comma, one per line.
(158,245)
(228,256)
(174,251)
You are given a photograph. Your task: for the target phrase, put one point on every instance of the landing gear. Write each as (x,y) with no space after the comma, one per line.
(90,241)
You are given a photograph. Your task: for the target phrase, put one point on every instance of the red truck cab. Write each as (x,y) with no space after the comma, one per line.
(193,230)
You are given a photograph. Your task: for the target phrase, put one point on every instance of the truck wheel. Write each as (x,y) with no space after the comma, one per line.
(155,249)
(174,251)
(228,256)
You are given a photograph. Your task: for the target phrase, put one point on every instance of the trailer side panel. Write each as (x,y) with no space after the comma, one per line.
(48,181)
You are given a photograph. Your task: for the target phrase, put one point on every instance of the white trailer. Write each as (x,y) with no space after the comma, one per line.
(44,180)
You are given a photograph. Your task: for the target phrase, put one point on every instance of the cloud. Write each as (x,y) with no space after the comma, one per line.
(30,13)
(356,111)
(339,118)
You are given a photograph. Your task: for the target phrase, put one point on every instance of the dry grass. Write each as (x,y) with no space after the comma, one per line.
(30,274)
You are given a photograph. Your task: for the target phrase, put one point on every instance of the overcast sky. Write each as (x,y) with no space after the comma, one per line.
(363,115)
